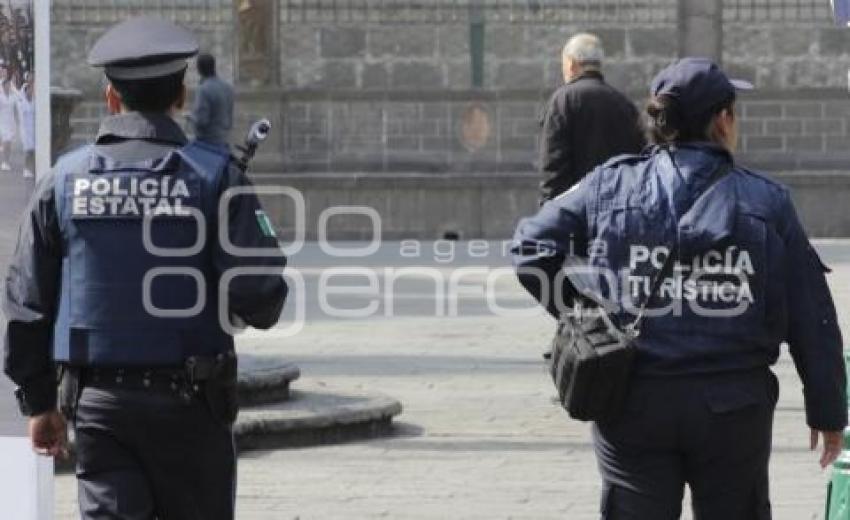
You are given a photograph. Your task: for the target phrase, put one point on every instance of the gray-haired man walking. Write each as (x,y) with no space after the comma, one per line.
(586,122)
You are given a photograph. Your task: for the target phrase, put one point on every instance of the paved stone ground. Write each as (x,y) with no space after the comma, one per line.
(479,437)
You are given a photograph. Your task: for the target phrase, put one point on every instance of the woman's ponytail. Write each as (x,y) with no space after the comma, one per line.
(666,123)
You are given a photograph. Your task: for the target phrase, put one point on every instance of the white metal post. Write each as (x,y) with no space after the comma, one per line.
(26,482)
(41,10)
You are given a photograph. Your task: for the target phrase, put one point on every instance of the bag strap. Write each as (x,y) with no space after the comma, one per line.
(673,247)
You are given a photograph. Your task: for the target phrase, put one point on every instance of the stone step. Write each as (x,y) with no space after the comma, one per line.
(315,414)
(264,380)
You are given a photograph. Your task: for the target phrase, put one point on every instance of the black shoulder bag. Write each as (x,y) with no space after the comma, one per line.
(591,359)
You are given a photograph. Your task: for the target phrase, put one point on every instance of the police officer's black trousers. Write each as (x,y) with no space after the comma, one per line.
(151,455)
(712,433)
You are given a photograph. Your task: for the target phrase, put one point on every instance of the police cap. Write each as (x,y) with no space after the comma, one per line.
(143,48)
(697,84)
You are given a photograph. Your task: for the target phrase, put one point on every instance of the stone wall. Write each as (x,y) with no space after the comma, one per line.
(796,129)
(437,58)
(361,90)
(411,205)
(338,45)
(443,97)
(353,73)
(434,206)
(416,132)
(788,57)
(77,24)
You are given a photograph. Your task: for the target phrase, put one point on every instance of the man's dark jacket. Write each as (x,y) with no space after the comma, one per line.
(586,123)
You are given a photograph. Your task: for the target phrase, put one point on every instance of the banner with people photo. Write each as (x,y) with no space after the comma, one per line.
(26,484)
(17,88)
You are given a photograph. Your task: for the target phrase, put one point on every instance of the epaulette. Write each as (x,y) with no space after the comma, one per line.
(623,159)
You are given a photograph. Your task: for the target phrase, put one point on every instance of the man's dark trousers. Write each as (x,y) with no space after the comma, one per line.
(712,432)
(145,454)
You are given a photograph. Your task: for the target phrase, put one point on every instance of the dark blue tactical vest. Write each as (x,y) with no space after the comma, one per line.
(138,284)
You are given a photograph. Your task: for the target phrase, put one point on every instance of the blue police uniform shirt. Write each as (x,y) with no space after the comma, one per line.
(746,279)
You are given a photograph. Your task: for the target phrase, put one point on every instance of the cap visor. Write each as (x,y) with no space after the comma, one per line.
(740,84)
(157,70)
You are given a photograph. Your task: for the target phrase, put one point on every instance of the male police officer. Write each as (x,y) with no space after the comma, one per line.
(701,401)
(116,278)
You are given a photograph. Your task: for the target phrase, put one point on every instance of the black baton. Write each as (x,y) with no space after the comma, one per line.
(258,133)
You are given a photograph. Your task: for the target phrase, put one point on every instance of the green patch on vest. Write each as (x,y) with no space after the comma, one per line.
(265,224)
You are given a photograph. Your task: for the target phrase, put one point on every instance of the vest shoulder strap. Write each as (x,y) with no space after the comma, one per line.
(211,163)
(208,160)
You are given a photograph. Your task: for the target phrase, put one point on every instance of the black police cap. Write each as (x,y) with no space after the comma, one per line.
(698,84)
(143,48)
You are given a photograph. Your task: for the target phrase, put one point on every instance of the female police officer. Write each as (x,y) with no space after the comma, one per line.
(701,399)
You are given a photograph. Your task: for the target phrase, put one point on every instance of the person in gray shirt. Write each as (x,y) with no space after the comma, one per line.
(212,113)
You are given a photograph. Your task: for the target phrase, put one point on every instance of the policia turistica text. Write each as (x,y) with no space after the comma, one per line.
(701,398)
(116,280)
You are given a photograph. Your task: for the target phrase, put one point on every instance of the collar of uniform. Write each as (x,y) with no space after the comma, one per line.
(138,125)
(705,147)
(588,74)
(697,160)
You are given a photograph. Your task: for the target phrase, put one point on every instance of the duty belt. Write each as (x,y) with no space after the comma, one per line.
(185,381)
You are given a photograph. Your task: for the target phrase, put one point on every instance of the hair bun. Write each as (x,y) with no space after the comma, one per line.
(664,119)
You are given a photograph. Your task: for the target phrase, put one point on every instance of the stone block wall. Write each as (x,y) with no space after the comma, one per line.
(414,205)
(437,57)
(802,56)
(77,24)
(780,131)
(796,129)
(418,132)
(372,90)
(386,97)
(434,206)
